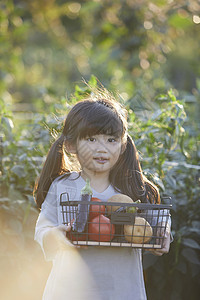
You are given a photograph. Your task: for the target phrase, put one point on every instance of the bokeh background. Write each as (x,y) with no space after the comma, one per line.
(147,53)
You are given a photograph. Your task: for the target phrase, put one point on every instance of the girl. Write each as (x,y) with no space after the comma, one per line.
(95,132)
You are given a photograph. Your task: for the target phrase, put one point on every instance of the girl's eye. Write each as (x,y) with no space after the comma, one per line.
(111,140)
(91,139)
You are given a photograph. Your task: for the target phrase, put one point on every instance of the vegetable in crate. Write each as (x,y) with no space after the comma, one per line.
(74,236)
(117,198)
(100,229)
(139,233)
(83,208)
(133,209)
(96,210)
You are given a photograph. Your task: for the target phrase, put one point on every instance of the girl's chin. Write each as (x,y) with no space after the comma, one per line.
(97,169)
(97,166)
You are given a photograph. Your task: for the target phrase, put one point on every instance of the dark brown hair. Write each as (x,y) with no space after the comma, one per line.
(99,114)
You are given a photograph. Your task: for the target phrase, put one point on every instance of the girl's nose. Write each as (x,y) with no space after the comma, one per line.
(101,151)
(101,148)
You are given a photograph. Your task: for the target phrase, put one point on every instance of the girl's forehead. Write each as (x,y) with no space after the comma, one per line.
(100,125)
(100,130)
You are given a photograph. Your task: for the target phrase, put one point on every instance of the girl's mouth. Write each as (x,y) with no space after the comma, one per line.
(101,160)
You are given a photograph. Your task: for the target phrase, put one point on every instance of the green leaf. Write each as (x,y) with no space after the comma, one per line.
(93,81)
(24,143)
(18,170)
(157,114)
(191,256)
(171,96)
(23,157)
(162,97)
(152,137)
(162,156)
(158,182)
(171,181)
(190,243)
(7,124)
(179,21)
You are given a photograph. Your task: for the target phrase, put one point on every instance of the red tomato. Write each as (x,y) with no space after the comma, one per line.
(100,229)
(96,210)
(75,237)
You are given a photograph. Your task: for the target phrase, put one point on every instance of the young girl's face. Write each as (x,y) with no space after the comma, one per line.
(98,153)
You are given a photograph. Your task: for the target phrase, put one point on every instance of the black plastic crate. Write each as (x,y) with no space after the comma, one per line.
(145,228)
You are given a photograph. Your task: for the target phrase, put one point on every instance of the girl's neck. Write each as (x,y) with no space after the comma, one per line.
(99,182)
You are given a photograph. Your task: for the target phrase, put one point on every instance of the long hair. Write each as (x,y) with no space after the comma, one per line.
(100,113)
(128,178)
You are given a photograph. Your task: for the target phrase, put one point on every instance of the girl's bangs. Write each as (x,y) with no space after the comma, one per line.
(100,124)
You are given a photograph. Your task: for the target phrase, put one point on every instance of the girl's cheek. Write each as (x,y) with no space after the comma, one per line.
(85,156)
(116,149)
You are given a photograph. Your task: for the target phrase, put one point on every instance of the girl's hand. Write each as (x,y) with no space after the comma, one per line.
(166,242)
(55,239)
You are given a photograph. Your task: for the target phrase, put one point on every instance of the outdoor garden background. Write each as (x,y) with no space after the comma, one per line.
(148,53)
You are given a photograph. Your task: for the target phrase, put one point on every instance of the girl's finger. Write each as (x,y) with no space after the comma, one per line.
(65,228)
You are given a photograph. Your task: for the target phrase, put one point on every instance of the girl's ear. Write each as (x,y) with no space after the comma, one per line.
(71,148)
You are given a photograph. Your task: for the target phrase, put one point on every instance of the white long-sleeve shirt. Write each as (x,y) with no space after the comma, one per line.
(104,273)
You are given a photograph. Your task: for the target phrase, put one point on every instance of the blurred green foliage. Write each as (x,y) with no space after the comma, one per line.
(132,46)
(148,52)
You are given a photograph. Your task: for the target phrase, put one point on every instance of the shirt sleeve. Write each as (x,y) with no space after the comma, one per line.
(47,218)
